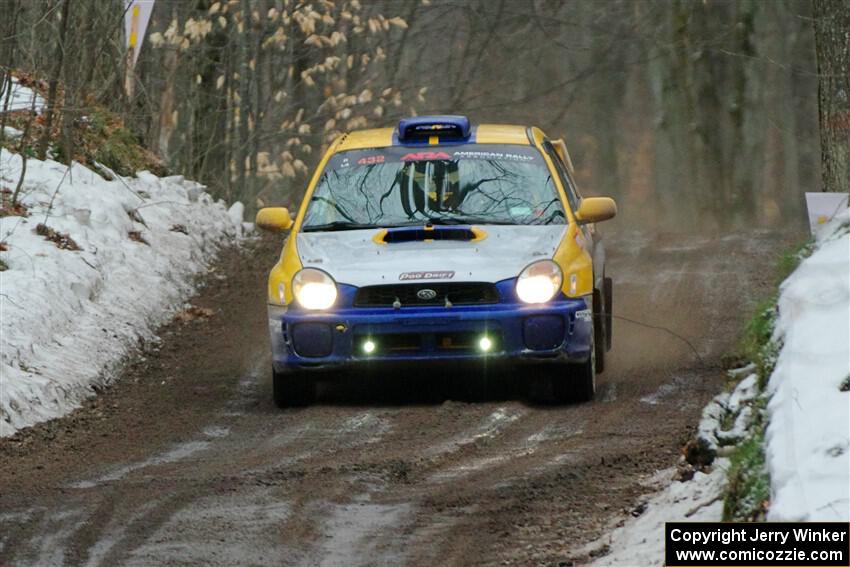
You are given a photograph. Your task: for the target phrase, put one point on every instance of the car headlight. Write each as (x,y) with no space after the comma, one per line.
(314,289)
(539,282)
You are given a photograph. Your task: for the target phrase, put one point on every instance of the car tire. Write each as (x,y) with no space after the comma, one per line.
(578,383)
(600,334)
(609,312)
(293,389)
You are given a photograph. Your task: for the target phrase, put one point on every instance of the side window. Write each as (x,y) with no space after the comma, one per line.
(566,181)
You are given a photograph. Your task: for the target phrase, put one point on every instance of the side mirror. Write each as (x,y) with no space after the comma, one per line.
(274,219)
(596,209)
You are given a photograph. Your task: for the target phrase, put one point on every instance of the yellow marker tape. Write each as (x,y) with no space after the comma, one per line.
(134,26)
(433,140)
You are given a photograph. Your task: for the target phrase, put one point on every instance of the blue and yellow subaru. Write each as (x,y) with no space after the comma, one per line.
(438,240)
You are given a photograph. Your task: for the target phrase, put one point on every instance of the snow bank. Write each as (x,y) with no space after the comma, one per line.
(640,542)
(808,435)
(725,422)
(21,98)
(68,317)
(735,407)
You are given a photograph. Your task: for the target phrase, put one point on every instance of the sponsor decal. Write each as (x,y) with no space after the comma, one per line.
(418,156)
(584,315)
(581,240)
(500,156)
(426,294)
(413,276)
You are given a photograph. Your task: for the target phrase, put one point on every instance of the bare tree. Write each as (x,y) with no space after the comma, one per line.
(56,73)
(832,44)
(693,112)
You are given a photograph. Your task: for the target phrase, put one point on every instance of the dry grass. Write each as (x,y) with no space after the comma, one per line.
(136,236)
(62,241)
(7,209)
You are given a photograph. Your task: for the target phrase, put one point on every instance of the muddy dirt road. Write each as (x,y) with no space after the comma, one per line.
(187,461)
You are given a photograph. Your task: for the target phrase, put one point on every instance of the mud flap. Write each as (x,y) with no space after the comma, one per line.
(600,320)
(608,294)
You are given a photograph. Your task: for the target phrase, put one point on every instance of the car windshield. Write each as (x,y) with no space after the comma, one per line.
(403,186)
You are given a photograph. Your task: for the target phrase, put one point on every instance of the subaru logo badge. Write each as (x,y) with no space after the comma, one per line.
(426,294)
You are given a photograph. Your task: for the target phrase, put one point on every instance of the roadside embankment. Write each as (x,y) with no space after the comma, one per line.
(89,267)
(776,444)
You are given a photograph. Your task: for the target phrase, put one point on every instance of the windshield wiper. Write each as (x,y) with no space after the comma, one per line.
(338,225)
(466,220)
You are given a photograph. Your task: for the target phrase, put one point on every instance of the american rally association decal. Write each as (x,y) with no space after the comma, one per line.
(499,156)
(408,276)
(419,156)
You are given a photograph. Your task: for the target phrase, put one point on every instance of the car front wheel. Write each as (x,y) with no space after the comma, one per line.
(293,389)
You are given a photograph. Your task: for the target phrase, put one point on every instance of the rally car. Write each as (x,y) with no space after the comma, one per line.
(441,241)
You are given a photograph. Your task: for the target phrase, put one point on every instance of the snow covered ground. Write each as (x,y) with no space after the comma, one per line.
(640,542)
(808,434)
(21,98)
(69,316)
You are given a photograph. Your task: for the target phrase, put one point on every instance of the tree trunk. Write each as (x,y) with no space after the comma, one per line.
(53,86)
(244,104)
(747,137)
(168,105)
(832,45)
(7,63)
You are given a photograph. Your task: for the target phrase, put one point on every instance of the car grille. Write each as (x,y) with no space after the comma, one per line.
(462,293)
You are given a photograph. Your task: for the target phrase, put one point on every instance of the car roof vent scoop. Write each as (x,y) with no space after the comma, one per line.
(445,127)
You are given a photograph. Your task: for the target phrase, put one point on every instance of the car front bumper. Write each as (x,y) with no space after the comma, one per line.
(557,331)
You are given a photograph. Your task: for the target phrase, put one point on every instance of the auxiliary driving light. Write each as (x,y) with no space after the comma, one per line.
(485,344)
(369,347)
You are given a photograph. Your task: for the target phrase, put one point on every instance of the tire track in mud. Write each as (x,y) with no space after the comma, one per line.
(187,460)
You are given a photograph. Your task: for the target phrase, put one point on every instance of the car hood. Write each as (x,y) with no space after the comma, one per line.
(353,257)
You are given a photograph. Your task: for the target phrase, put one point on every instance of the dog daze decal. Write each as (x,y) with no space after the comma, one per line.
(413,276)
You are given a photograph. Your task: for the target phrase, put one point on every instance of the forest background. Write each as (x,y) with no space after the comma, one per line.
(692,113)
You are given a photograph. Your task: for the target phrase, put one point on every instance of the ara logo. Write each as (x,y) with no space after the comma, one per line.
(408,276)
(416,156)
(426,294)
